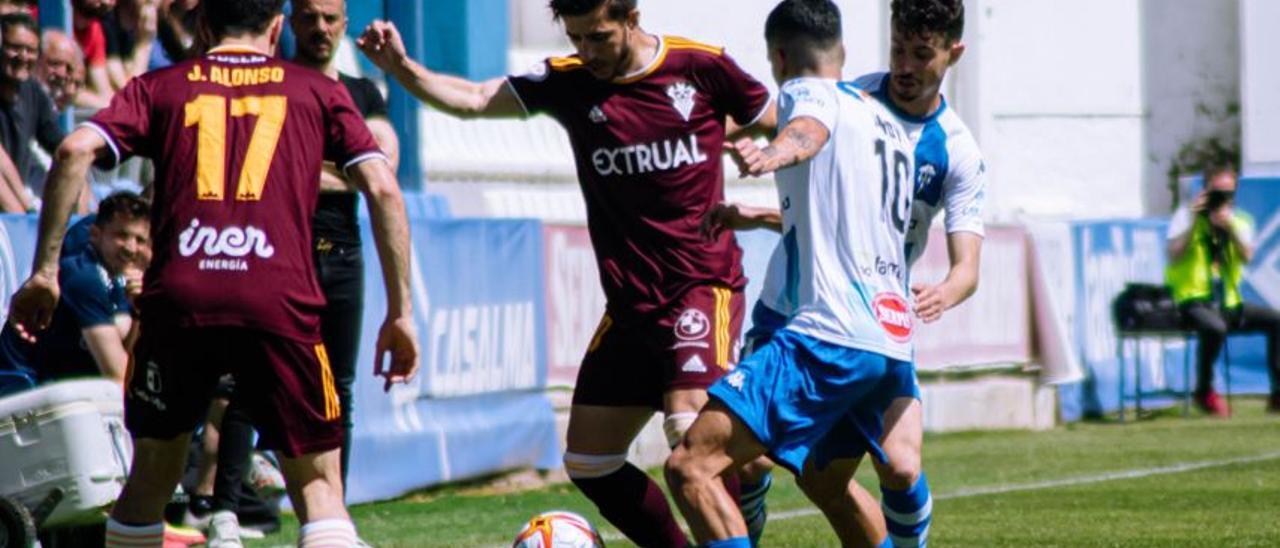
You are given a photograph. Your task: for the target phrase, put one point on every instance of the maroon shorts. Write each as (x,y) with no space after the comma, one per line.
(287,384)
(689,345)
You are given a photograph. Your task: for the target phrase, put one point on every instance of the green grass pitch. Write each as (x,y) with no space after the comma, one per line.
(1165,481)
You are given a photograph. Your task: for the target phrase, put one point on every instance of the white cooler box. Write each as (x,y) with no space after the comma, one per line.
(70,436)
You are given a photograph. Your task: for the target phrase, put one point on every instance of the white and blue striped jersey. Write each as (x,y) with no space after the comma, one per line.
(950,172)
(845,214)
(950,175)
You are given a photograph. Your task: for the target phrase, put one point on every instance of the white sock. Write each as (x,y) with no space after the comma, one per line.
(328,533)
(120,535)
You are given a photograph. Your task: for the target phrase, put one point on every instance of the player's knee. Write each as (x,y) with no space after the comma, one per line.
(902,470)
(586,467)
(682,468)
(754,472)
(676,425)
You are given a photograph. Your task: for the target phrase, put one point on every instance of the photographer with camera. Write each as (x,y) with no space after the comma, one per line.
(1209,244)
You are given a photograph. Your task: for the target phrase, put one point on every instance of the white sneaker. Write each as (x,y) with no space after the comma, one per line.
(224,530)
(199,523)
(264,478)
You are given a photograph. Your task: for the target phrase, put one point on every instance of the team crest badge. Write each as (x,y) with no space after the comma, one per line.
(925,178)
(681,94)
(692,325)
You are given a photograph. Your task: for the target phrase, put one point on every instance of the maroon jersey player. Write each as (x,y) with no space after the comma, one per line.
(238,139)
(647,117)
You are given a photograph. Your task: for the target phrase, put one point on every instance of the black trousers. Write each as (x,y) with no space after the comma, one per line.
(1212,325)
(341,273)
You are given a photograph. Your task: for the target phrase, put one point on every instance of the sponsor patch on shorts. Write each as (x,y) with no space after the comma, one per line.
(692,325)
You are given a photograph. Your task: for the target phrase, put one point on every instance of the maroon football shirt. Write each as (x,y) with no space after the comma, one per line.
(238,139)
(648,155)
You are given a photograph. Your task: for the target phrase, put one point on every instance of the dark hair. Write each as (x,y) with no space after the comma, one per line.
(932,17)
(231,17)
(1213,170)
(618,9)
(19,19)
(817,21)
(127,204)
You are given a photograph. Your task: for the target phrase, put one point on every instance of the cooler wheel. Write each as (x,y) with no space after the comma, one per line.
(17,528)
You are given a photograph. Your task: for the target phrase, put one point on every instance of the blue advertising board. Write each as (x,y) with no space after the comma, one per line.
(477,405)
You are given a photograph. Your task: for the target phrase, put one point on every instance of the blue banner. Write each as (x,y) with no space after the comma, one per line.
(1261,199)
(1108,255)
(17,250)
(477,405)
(757,247)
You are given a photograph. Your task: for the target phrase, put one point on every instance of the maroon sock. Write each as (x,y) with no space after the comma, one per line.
(635,505)
(733,485)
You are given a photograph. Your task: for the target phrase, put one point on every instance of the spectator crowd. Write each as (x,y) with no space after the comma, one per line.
(49,80)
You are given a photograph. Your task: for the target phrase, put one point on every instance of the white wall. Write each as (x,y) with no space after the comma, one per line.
(1191,74)
(1061,106)
(1078,107)
(738,25)
(1260,57)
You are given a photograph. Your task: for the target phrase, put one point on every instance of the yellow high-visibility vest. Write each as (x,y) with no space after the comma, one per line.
(1191,276)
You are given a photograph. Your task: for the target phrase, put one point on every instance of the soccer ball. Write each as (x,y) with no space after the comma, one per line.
(558,529)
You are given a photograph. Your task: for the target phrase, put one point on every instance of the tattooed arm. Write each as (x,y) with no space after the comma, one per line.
(800,140)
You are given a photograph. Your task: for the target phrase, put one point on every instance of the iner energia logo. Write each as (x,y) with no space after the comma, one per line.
(224,249)
(231,241)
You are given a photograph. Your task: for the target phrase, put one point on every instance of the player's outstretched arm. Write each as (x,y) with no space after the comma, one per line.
(800,140)
(763,127)
(398,336)
(740,217)
(965,249)
(382,44)
(32,306)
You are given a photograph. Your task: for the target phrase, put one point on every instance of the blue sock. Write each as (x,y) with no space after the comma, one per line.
(754,510)
(735,542)
(908,513)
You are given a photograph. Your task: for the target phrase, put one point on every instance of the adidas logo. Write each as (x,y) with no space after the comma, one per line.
(596,115)
(694,365)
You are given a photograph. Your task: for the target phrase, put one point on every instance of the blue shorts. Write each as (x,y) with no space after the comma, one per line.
(765,322)
(804,398)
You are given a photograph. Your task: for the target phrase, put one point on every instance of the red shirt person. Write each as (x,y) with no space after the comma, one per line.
(238,138)
(647,117)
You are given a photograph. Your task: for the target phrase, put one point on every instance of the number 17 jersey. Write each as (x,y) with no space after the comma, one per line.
(844,215)
(238,138)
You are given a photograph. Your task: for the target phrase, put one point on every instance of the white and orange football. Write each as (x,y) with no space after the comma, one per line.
(558,529)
